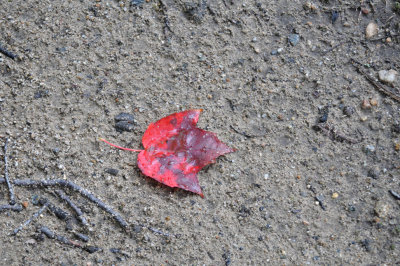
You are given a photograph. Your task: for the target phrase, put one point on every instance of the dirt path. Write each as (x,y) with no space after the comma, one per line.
(276,82)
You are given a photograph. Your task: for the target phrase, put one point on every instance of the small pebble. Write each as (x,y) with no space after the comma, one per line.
(31,241)
(363,118)
(397,146)
(266,176)
(124,126)
(348,111)
(112,171)
(395,194)
(137,2)
(373,102)
(396,128)
(369,149)
(382,209)
(294,39)
(25,204)
(124,122)
(335,16)
(365,11)
(124,117)
(366,104)
(366,243)
(335,195)
(387,76)
(91,249)
(35,199)
(371,30)
(374,172)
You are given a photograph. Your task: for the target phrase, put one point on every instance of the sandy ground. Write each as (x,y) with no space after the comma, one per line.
(265,73)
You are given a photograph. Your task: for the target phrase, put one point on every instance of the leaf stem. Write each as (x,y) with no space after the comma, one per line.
(119,147)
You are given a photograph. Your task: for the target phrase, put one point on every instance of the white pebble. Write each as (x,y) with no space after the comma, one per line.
(387,76)
(371,30)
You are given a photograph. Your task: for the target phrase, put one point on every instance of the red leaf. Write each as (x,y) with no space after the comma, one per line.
(176,150)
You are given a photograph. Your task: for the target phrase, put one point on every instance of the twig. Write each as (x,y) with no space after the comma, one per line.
(76,209)
(7,53)
(27,222)
(330,131)
(15,207)
(9,185)
(82,237)
(62,239)
(58,212)
(68,184)
(373,82)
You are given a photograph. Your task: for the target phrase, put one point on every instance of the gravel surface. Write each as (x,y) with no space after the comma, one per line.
(316,175)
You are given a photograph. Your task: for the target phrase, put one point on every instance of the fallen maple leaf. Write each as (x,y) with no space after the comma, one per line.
(176,150)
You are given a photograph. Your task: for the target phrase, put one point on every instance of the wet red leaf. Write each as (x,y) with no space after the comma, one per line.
(176,150)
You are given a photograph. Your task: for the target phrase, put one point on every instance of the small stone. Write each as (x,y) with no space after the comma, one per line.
(373,102)
(397,146)
(31,241)
(346,24)
(369,149)
(382,209)
(320,198)
(294,39)
(365,104)
(124,126)
(91,249)
(388,40)
(371,30)
(266,176)
(274,52)
(366,243)
(112,171)
(279,50)
(396,128)
(137,2)
(387,76)
(124,122)
(348,111)
(363,118)
(310,6)
(35,199)
(25,204)
(124,117)
(335,195)
(374,172)
(365,11)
